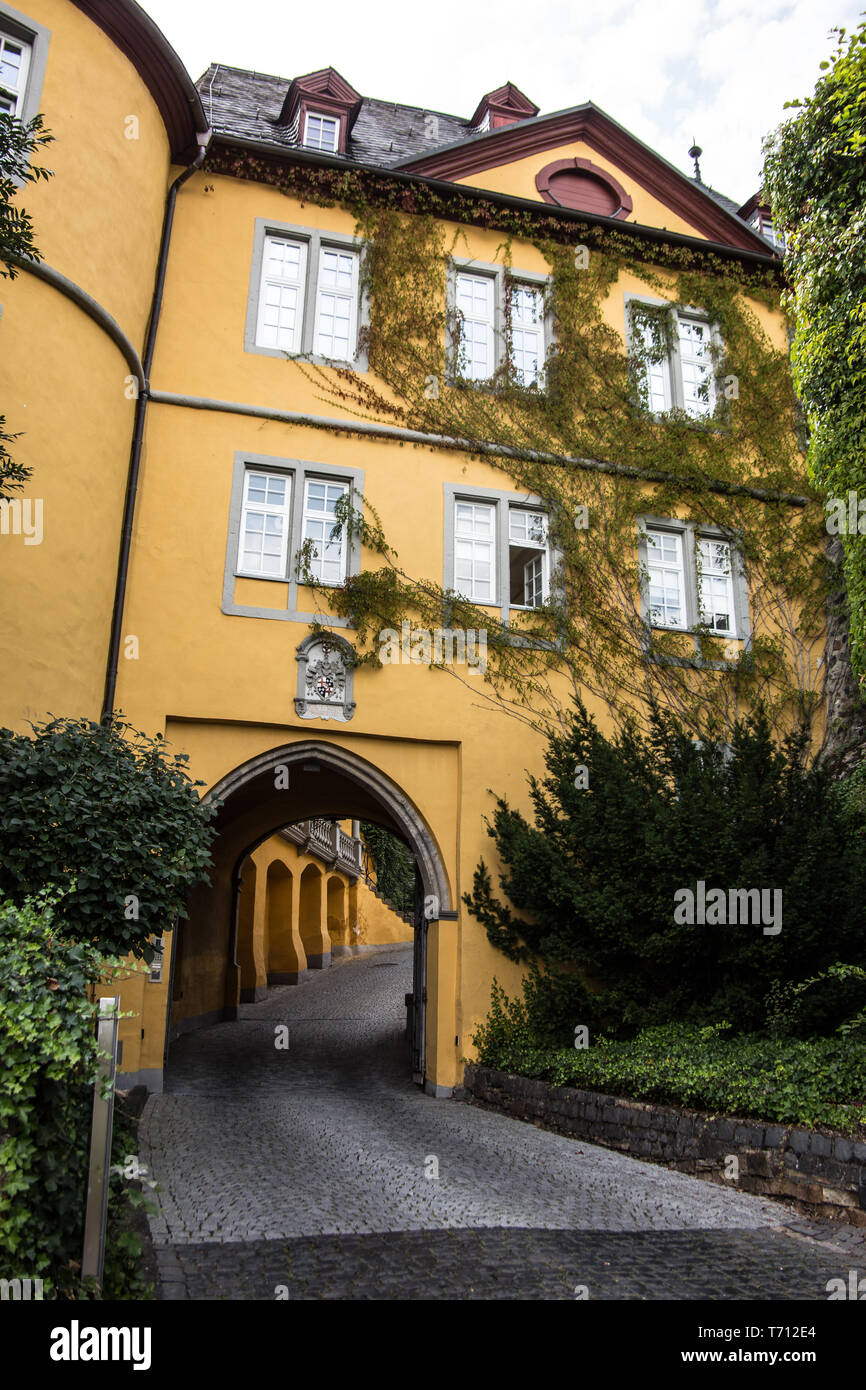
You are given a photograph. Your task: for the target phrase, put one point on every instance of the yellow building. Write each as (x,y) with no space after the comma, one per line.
(175,364)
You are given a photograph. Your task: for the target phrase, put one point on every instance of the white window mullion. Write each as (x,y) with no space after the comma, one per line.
(264,531)
(336,326)
(527,531)
(14,67)
(281,296)
(695,365)
(475,551)
(658,376)
(716,585)
(527,334)
(666,579)
(328,558)
(476,305)
(321,132)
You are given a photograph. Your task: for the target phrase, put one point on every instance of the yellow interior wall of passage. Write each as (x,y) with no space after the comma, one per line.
(376,923)
(517,178)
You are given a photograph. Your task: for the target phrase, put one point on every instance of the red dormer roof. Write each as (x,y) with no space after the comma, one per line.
(504,106)
(326,91)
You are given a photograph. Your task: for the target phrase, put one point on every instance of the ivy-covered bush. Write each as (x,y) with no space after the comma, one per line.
(815,179)
(806,1081)
(110,811)
(393,864)
(623,826)
(48,1064)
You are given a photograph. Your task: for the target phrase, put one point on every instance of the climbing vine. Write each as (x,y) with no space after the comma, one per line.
(588,447)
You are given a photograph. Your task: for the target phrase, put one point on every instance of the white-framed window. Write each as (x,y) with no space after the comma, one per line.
(476,353)
(321,132)
(475,551)
(14,67)
(528,557)
(265,523)
(328,552)
(281,298)
(666,575)
(694,578)
(500,320)
(696,365)
(305,294)
(527,333)
(336,328)
(676,353)
(657,373)
(715,585)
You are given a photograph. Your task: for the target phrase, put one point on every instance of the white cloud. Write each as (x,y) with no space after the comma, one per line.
(717,71)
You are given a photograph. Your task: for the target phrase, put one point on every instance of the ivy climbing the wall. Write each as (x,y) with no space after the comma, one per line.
(586,444)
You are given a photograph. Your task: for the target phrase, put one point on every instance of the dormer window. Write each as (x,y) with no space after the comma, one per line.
(502,107)
(320,110)
(321,132)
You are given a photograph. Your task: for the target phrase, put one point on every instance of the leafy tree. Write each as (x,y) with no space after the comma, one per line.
(815,180)
(623,824)
(111,819)
(18,142)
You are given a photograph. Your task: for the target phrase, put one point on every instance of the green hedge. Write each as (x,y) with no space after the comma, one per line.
(806,1081)
(48,1064)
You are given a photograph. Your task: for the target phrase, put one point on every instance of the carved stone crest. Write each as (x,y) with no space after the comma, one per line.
(325,678)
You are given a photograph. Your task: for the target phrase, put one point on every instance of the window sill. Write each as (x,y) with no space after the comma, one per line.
(270,578)
(357,364)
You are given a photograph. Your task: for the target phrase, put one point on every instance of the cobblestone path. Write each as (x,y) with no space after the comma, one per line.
(309,1172)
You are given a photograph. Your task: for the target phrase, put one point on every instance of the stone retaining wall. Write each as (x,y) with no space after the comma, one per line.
(824,1175)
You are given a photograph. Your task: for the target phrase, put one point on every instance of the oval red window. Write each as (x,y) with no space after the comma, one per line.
(578,184)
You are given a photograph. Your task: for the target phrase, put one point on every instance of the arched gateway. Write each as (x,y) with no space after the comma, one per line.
(289,783)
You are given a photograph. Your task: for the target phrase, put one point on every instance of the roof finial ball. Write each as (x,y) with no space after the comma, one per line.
(695,153)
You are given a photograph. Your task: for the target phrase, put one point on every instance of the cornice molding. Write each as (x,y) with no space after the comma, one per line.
(588,124)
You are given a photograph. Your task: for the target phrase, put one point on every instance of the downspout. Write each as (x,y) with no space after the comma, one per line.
(138,431)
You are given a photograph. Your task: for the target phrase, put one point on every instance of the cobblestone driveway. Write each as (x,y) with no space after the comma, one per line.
(309,1172)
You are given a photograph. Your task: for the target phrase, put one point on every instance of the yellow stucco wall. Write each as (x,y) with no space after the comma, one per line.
(63,382)
(517,178)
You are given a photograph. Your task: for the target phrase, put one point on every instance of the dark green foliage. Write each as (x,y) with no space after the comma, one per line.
(811,1081)
(18,142)
(109,817)
(815,180)
(393,863)
(594,879)
(48,1063)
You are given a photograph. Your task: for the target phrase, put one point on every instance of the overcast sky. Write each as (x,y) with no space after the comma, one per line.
(717,71)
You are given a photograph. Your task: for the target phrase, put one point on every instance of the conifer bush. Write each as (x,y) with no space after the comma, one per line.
(622,825)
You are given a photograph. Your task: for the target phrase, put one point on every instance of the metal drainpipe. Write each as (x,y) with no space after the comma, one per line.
(138,430)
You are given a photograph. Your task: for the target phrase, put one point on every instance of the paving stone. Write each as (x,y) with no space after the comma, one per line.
(307,1168)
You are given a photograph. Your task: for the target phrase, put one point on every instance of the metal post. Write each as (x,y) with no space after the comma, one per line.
(100,1143)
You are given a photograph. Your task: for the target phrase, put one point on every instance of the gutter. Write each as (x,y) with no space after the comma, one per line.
(138,430)
(292,154)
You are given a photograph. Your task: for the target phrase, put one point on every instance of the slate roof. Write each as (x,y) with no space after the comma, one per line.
(248,104)
(385,134)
